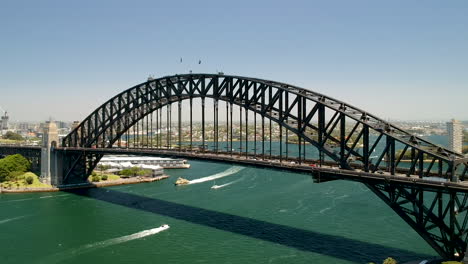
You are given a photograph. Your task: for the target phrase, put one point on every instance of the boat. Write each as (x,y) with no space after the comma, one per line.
(181,181)
(216,186)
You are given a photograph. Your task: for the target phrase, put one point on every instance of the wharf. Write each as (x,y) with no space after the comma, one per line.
(134,180)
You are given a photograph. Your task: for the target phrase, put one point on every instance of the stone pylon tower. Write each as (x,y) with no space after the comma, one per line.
(50,140)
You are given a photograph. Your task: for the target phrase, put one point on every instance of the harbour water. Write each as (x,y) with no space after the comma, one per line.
(256,216)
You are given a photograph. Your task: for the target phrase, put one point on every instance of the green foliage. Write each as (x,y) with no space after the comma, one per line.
(93,173)
(15,175)
(95,178)
(134,171)
(125,173)
(22,181)
(103,167)
(12,136)
(104,177)
(3,173)
(145,172)
(465,149)
(389,260)
(13,166)
(29,180)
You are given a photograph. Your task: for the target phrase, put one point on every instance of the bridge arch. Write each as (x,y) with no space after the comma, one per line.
(301,111)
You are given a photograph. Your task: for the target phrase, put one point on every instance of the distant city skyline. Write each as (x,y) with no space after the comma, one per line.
(398,60)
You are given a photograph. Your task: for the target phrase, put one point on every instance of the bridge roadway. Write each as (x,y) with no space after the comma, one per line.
(325,172)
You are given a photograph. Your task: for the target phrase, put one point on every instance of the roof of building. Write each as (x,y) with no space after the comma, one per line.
(134,158)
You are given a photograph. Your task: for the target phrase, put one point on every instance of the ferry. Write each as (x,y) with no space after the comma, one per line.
(181,181)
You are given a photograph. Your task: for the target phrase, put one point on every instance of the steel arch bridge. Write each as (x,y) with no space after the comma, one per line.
(422,182)
(295,109)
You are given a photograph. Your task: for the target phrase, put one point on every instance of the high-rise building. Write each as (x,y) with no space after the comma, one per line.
(4,123)
(455,135)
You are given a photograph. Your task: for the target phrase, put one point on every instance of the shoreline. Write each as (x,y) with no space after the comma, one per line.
(100,184)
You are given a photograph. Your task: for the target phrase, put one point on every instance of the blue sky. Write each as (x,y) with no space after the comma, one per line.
(396,59)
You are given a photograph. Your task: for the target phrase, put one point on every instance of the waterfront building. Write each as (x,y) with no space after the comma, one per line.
(455,135)
(156,170)
(166,163)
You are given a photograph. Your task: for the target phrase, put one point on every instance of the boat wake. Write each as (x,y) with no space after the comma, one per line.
(230,171)
(11,219)
(324,209)
(60,257)
(224,185)
(29,199)
(118,240)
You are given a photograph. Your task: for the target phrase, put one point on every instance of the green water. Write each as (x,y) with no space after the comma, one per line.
(263,216)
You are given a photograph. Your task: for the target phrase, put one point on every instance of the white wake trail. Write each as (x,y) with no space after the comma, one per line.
(61,256)
(119,240)
(29,199)
(230,171)
(224,185)
(11,219)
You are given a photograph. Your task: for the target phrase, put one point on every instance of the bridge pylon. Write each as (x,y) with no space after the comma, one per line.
(50,162)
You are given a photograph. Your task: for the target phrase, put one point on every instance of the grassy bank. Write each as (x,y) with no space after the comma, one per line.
(102,176)
(20,182)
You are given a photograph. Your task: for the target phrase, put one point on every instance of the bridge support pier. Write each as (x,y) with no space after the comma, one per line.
(51,160)
(75,167)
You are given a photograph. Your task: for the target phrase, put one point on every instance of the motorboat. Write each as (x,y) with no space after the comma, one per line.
(182,181)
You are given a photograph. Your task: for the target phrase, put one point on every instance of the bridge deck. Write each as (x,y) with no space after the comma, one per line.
(323,173)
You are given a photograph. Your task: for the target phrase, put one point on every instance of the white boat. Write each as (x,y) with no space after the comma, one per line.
(182,181)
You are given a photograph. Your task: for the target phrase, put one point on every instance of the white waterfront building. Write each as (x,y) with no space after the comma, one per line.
(155,169)
(455,135)
(166,163)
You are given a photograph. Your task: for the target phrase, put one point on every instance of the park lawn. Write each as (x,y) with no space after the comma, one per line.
(10,141)
(110,176)
(22,182)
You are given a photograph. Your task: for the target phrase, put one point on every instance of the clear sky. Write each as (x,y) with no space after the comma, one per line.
(396,59)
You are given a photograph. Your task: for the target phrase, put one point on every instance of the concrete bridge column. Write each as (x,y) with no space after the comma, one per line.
(49,158)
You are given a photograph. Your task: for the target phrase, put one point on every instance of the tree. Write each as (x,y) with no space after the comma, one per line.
(4,172)
(390,260)
(12,136)
(134,171)
(103,167)
(15,175)
(95,178)
(29,180)
(104,177)
(13,163)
